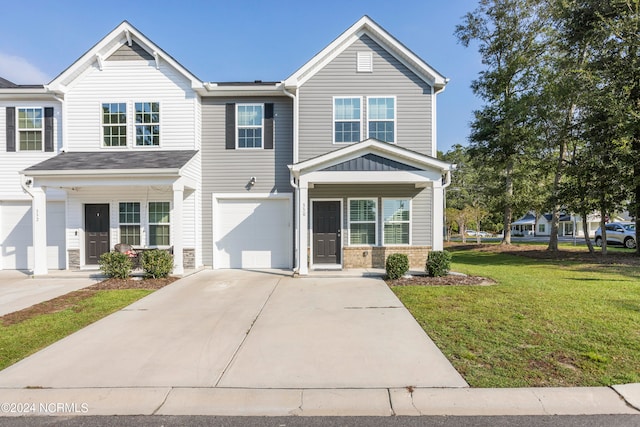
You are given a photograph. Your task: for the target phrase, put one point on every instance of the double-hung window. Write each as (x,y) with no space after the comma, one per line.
(362,221)
(159,224)
(114,124)
(250,125)
(347,120)
(381,113)
(130,223)
(397,221)
(147,123)
(30,129)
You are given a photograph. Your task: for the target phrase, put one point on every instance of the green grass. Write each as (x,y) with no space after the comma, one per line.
(546,323)
(19,340)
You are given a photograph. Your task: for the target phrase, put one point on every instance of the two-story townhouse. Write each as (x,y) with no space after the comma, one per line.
(125,158)
(333,167)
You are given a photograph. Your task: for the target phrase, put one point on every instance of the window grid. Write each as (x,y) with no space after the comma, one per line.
(159,228)
(347,113)
(147,119)
(381,114)
(363,214)
(130,223)
(30,126)
(114,124)
(249,123)
(397,221)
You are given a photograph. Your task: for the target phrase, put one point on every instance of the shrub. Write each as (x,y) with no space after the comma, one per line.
(397,265)
(156,263)
(115,264)
(438,263)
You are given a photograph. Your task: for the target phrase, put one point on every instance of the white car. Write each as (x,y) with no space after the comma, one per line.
(621,233)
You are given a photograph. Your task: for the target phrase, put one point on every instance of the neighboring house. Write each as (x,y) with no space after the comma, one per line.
(333,167)
(529,225)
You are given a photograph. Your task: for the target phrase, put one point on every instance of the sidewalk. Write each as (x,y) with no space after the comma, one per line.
(320,402)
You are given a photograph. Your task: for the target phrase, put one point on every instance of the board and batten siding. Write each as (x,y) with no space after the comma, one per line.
(229,171)
(340,78)
(421,205)
(130,82)
(11,163)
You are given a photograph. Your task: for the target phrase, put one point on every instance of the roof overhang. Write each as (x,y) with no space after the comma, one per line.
(125,33)
(421,169)
(243,89)
(368,26)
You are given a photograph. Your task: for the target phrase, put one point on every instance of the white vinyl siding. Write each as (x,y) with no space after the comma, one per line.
(363,221)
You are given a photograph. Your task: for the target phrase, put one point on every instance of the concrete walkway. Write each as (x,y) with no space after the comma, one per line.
(263,343)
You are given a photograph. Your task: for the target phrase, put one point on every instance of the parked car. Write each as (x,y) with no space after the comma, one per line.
(620,233)
(474,233)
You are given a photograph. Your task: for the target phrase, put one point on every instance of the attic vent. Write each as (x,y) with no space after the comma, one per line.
(365,62)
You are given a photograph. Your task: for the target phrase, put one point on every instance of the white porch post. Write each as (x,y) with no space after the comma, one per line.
(177,218)
(303,224)
(438,215)
(39,221)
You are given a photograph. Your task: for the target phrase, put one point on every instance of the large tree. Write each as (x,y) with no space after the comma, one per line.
(503,133)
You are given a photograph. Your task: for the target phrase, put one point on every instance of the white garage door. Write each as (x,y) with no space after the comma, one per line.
(16,235)
(252,234)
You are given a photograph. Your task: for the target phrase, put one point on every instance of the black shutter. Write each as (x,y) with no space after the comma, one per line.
(48,129)
(230,127)
(11,128)
(268,126)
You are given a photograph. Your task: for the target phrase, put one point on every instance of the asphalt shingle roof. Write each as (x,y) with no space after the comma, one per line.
(103,160)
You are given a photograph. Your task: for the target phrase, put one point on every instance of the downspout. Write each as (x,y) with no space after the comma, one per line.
(292,181)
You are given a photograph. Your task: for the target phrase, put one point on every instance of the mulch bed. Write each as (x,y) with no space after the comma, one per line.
(450,280)
(71,299)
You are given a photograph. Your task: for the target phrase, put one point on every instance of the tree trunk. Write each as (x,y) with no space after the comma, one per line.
(603,231)
(508,208)
(553,237)
(585,230)
(463,232)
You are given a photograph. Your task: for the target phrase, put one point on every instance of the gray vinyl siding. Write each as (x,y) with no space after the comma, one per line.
(229,171)
(339,78)
(135,52)
(421,204)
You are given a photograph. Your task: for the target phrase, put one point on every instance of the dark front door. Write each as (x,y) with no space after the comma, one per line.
(96,232)
(326,232)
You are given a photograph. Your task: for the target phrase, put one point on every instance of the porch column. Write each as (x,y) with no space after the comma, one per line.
(177,218)
(39,221)
(438,216)
(303,224)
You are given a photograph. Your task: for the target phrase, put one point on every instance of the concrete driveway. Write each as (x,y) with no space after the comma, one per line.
(230,328)
(18,290)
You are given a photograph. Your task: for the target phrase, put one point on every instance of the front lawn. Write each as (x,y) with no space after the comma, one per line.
(545,323)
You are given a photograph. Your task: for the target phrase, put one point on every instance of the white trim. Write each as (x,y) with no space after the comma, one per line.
(250,104)
(382,243)
(376,237)
(309,230)
(395,116)
(215,201)
(333,118)
(364,61)
(372,177)
(18,129)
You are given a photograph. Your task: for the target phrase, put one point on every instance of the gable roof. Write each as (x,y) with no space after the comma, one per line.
(368,26)
(125,33)
(401,158)
(81,162)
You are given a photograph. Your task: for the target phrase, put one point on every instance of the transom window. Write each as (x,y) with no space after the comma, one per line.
(249,122)
(30,129)
(397,218)
(382,118)
(159,224)
(114,124)
(130,223)
(347,122)
(363,215)
(147,120)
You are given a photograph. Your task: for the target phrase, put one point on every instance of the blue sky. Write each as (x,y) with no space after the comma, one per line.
(242,40)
